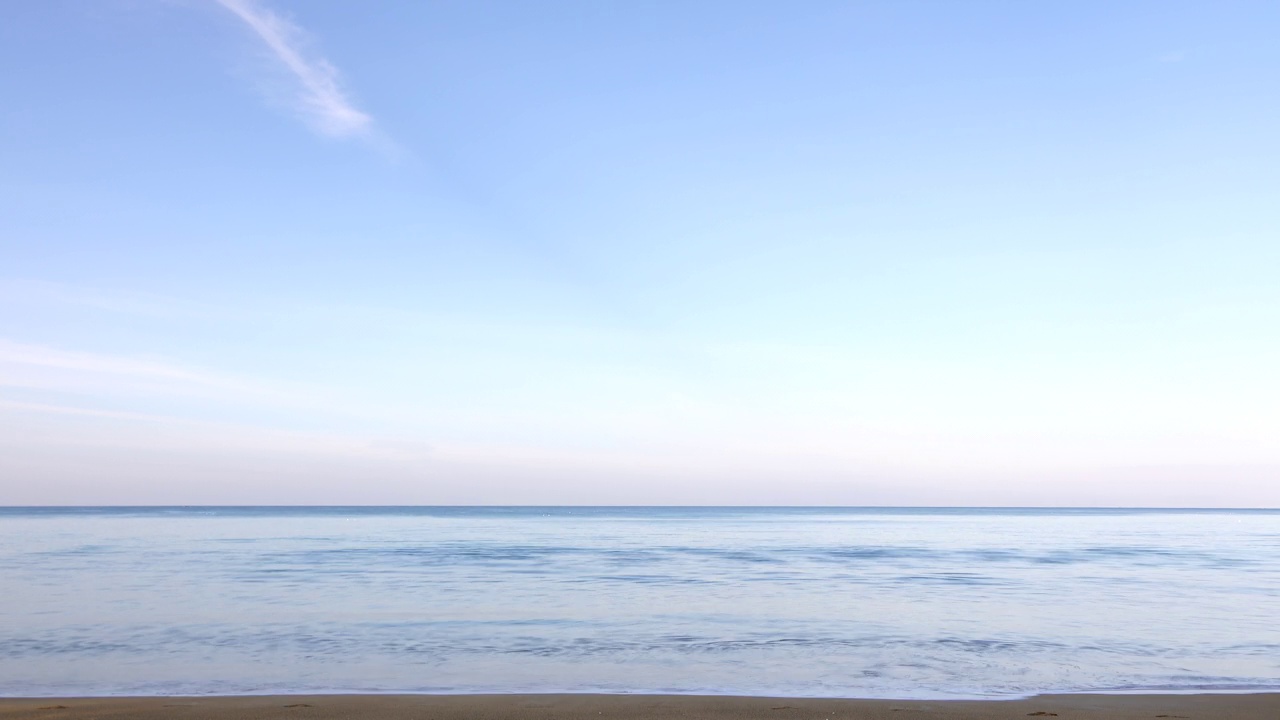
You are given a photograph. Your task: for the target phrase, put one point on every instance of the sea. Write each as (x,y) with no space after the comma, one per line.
(822,602)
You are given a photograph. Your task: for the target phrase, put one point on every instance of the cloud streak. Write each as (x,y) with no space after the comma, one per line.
(24,294)
(320,99)
(13,353)
(40,369)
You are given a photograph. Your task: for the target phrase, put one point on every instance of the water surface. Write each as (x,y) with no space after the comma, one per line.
(782,601)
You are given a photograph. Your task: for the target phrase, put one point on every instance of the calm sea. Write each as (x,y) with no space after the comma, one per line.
(780,601)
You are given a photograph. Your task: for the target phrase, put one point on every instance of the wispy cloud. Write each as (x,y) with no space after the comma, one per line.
(41,356)
(40,368)
(320,98)
(31,293)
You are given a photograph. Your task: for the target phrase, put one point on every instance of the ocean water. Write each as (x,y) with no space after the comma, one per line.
(904,603)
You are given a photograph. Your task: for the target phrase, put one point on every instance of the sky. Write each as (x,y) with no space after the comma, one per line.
(654,252)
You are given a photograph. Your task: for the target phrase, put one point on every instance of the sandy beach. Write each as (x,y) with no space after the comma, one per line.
(1262,706)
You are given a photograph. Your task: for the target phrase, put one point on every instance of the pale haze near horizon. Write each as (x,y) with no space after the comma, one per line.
(903,253)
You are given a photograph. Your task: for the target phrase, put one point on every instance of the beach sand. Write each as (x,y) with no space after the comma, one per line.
(1263,706)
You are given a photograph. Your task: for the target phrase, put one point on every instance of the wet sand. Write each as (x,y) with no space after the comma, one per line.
(1263,706)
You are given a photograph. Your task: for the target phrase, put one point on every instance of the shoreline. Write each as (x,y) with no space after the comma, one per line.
(1125,706)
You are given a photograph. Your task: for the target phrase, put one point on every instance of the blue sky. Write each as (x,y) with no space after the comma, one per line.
(995,253)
